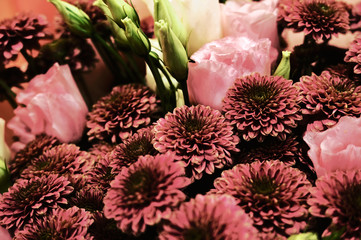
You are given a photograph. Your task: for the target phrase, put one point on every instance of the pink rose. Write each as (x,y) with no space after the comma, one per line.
(254,20)
(53,105)
(218,63)
(337,148)
(4,234)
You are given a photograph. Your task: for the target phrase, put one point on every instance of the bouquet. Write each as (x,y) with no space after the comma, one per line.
(211,125)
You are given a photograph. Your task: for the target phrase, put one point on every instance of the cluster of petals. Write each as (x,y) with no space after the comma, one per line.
(199,136)
(70,224)
(213,217)
(50,104)
(145,193)
(29,200)
(337,148)
(119,114)
(273,194)
(337,196)
(61,159)
(328,97)
(318,18)
(260,106)
(353,54)
(22,32)
(32,150)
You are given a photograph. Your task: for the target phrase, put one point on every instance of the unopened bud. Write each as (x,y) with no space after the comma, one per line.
(120,10)
(174,54)
(284,67)
(138,41)
(77,20)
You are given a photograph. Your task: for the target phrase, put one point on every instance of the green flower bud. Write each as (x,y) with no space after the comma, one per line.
(174,54)
(304,236)
(163,10)
(284,67)
(117,32)
(120,10)
(4,156)
(138,41)
(77,20)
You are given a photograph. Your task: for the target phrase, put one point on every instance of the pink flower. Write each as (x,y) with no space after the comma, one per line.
(337,148)
(4,234)
(218,64)
(53,105)
(255,20)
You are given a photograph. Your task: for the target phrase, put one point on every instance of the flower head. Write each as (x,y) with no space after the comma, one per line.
(199,136)
(260,106)
(61,159)
(53,105)
(116,116)
(353,55)
(22,32)
(273,194)
(328,97)
(145,193)
(209,217)
(337,196)
(71,224)
(127,153)
(318,18)
(89,198)
(102,173)
(31,151)
(30,200)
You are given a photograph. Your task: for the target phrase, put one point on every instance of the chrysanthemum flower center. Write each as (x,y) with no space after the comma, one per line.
(353,201)
(24,194)
(140,187)
(193,125)
(138,148)
(322,9)
(264,186)
(48,234)
(260,93)
(197,233)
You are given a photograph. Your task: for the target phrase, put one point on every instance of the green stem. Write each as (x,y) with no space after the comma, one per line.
(9,94)
(184,88)
(79,79)
(135,68)
(167,97)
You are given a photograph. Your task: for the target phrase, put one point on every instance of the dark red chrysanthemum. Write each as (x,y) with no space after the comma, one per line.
(89,198)
(337,196)
(260,106)
(69,224)
(61,159)
(273,194)
(30,200)
(199,136)
(353,55)
(127,153)
(118,115)
(145,193)
(287,151)
(327,98)
(102,173)
(22,32)
(318,18)
(213,217)
(31,151)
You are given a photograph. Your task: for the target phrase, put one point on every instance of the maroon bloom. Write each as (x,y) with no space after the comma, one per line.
(30,200)
(273,194)
(353,55)
(213,217)
(319,19)
(145,193)
(62,159)
(31,151)
(199,136)
(337,196)
(327,98)
(102,173)
(21,33)
(70,224)
(116,116)
(260,106)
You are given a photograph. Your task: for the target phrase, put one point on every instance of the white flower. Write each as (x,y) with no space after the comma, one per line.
(4,149)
